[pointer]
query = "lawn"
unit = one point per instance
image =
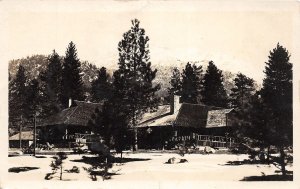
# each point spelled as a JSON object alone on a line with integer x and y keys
{"x": 150, "y": 167}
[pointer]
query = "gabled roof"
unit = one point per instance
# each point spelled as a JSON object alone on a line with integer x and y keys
{"x": 193, "y": 115}
{"x": 26, "y": 135}
{"x": 189, "y": 115}
{"x": 78, "y": 114}
{"x": 217, "y": 118}
{"x": 159, "y": 117}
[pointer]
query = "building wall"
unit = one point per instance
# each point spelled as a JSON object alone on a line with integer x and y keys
{"x": 16, "y": 143}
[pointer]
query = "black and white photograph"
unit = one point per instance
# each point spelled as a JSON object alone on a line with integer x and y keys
{"x": 124, "y": 93}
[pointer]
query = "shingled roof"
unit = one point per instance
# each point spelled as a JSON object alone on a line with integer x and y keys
{"x": 189, "y": 115}
{"x": 217, "y": 118}
{"x": 161, "y": 117}
{"x": 26, "y": 135}
{"x": 78, "y": 114}
{"x": 193, "y": 115}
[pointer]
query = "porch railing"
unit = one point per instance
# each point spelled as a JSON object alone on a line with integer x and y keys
{"x": 207, "y": 140}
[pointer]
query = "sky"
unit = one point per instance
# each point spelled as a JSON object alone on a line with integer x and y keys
{"x": 236, "y": 36}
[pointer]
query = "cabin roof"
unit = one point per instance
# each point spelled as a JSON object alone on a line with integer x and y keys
{"x": 193, "y": 115}
{"x": 189, "y": 115}
{"x": 78, "y": 114}
{"x": 26, "y": 135}
{"x": 217, "y": 118}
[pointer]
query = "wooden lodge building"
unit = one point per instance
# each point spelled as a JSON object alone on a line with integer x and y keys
{"x": 170, "y": 124}
{"x": 24, "y": 141}
{"x": 70, "y": 125}
{"x": 186, "y": 123}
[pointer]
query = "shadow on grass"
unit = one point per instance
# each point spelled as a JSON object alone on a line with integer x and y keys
{"x": 269, "y": 178}
{"x": 101, "y": 173}
{"x": 93, "y": 160}
{"x": 40, "y": 157}
{"x": 21, "y": 169}
{"x": 244, "y": 162}
{"x": 126, "y": 160}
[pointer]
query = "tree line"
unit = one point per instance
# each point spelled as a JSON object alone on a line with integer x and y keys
{"x": 264, "y": 115}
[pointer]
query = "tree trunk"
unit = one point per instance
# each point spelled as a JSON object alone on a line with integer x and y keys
{"x": 282, "y": 163}
{"x": 60, "y": 173}
{"x": 135, "y": 147}
{"x": 121, "y": 156}
{"x": 268, "y": 155}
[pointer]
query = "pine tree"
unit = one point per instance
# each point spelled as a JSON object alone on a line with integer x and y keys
{"x": 134, "y": 77}
{"x": 191, "y": 83}
{"x": 242, "y": 91}
{"x": 175, "y": 82}
{"x": 111, "y": 124}
{"x": 33, "y": 100}
{"x": 277, "y": 93}
{"x": 12, "y": 105}
{"x": 18, "y": 108}
{"x": 101, "y": 87}
{"x": 72, "y": 86}
{"x": 52, "y": 88}
{"x": 242, "y": 99}
{"x": 213, "y": 91}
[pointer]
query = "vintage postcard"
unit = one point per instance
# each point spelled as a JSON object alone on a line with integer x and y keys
{"x": 149, "y": 94}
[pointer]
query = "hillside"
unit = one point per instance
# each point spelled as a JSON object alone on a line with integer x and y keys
{"x": 36, "y": 64}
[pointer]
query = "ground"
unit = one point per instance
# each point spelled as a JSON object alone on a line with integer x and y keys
{"x": 148, "y": 167}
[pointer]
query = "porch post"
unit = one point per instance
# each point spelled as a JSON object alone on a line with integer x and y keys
{"x": 135, "y": 139}
{"x": 34, "y": 136}
{"x": 20, "y": 133}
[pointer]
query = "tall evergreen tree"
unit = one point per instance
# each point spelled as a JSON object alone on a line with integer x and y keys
{"x": 71, "y": 78}
{"x": 111, "y": 124}
{"x": 19, "y": 107}
{"x": 21, "y": 83}
{"x": 191, "y": 83}
{"x": 34, "y": 100}
{"x": 52, "y": 88}
{"x": 213, "y": 91}
{"x": 277, "y": 94}
{"x": 242, "y": 91}
{"x": 242, "y": 95}
{"x": 175, "y": 82}
{"x": 12, "y": 105}
{"x": 133, "y": 81}
{"x": 101, "y": 87}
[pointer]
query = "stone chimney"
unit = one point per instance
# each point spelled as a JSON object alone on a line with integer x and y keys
{"x": 175, "y": 104}
{"x": 70, "y": 102}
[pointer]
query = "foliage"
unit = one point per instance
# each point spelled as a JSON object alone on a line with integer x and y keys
{"x": 191, "y": 83}
{"x": 71, "y": 76}
{"x": 244, "y": 101}
{"x": 57, "y": 164}
{"x": 175, "y": 83}
{"x": 112, "y": 125}
{"x": 101, "y": 87}
{"x": 257, "y": 129}
{"x": 52, "y": 90}
{"x": 100, "y": 167}
{"x": 242, "y": 91}
{"x": 18, "y": 89}
{"x": 277, "y": 93}
{"x": 213, "y": 91}
{"x": 34, "y": 101}
{"x": 133, "y": 79}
